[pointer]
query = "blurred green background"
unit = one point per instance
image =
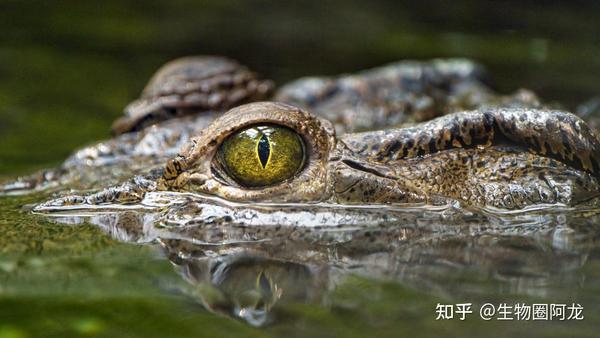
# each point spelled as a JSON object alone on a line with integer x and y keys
{"x": 67, "y": 68}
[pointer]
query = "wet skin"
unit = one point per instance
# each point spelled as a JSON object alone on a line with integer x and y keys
{"x": 500, "y": 158}
{"x": 188, "y": 94}
{"x": 505, "y": 158}
{"x": 505, "y": 154}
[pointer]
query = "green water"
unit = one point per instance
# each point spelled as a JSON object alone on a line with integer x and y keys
{"x": 68, "y": 68}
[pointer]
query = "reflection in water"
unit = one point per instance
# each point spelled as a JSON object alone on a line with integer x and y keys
{"x": 246, "y": 286}
{"x": 252, "y": 263}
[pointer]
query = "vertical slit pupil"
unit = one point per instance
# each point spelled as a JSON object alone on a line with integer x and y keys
{"x": 264, "y": 150}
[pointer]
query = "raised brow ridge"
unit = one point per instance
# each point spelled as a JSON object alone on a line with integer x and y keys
{"x": 555, "y": 134}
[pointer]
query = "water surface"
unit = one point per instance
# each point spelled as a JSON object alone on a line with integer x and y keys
{"x": 67, "y": 70}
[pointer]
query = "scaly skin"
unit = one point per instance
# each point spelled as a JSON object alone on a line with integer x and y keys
{"x": 501, "y": 158}
{"x": 509, "y": 157}
{"x": 190, "y": 85}
{"x": 398, "y": 93}
{"x": 505, "y": 158}
{"x": 187, "y": 94}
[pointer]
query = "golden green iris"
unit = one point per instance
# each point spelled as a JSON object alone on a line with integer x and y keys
{"x": 262, "y": 155}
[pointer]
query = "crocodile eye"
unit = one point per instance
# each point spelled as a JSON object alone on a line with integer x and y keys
{"x": 262, "y": 155}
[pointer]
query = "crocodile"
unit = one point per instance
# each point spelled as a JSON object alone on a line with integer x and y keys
{"x": 188, "y": 94}
{"x": 407, "y": 171}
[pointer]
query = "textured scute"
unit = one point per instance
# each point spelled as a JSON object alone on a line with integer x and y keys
{"x": 384, "y": 97}
{"x": 507, "y": 152}
{"x": 192, "y": 85}
{"x": 555, "y": 134}
{"x": 398, "y": 93}
{"x": 505, "y": 158}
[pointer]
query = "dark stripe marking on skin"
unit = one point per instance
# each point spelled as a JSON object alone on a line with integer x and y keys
{"x": 555, "y": 134}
